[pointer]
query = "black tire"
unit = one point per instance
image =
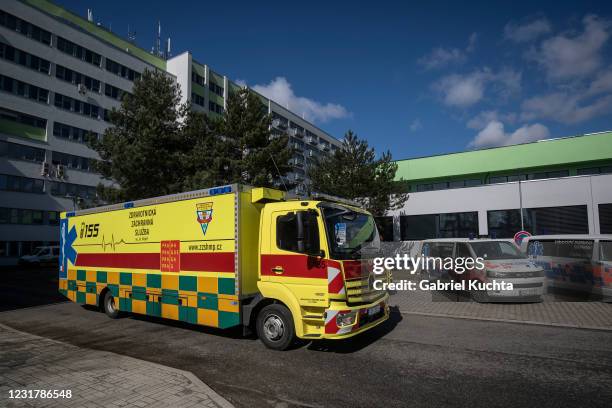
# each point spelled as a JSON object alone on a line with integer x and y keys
{"x": 109, "y": 305}
{"x": 275, "y": 327}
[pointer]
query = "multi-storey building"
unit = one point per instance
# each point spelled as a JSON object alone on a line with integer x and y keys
{"x": 208, "y": 92}
{"x": 555, "y": 186}
{"x": 60, "y": 75}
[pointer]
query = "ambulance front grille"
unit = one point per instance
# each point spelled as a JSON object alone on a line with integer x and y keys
{"x": 361, "y": 291}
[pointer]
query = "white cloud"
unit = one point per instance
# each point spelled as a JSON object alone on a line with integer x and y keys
{"x": 483, "y": 118}
{"x": 565, "y": 107}
{"x": 466, "y": 90}
{"x": 494, "y": 134}
{"x": 442, "y": 57}
{"x": 527, "y": 31}
{"x": 569, "y": 56}
{"x": 601, "y": 84}
{"x": 416, "y": 125}
{"x": 241, "y": 82}
{"x": 281, "y": 92}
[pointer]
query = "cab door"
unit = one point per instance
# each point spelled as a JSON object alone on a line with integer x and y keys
{"x": 292, "y": 256}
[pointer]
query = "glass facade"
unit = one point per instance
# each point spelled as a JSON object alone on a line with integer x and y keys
{"x": 448, "y": 225}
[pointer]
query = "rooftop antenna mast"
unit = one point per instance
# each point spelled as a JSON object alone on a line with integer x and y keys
{"x": 131, "y": 35}
{"x": 158, "y": 51}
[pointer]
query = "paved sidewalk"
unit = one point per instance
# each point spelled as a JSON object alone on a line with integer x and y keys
{"x": 95, "y": 378}
{"x": 587, "y": 315}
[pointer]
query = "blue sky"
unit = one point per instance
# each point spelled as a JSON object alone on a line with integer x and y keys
{"x": 417, "y": 78}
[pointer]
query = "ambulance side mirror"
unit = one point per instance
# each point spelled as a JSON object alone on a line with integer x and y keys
{"x": 308, "y": 233}
{"x": 300, "y": 232}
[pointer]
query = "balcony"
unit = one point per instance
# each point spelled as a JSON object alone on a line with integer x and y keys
{"x": 312, "y": 140}
{"x": 277, "y": 123}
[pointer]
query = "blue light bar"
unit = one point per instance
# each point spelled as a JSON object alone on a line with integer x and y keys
{"x": 220, "y": 190}
{"x": 128, "y": 205}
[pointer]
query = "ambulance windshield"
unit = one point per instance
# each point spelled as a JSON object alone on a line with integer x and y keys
{"x": 351, "y": 234}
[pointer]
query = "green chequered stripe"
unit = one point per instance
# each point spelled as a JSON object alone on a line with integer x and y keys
{"x": 187, "y": 284}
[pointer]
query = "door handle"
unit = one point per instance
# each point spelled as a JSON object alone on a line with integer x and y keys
{"x": 278, "y": 270}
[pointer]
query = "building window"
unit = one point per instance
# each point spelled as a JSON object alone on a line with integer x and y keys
{"x": 53, "y": 218}
{"x": 548, "y": 174}
{"x": 71, "y": 161}
{"x": 557, "y": 220}
{"x": 440, "y": 186}
{"x": 594, "y": 170}
{"x": 473, "y": 182}
{"x": 73, "y": 105}
{"x": 21, "y": 152}
{"x": 68, "y": 75}
{"x": 498, "y": 179}
{"x": 216, "y": 89}
{"x": 22, "y": 118}
{"x": 23, "y": 27}
{"x": 121, "y": 70}
{"x": 424, "y": 187}
{"x": 21, "y": 184}
{"x": 82, "y": 53}
{"x": 114, "y": 92}
{"x": 385, "y": 228}
{"x": 23, "y": 58}
{"x": 72, "y": 190}
{"x": 456, "y": 184}
{"x": 517, "y": 177}
{"x": 449, "y": 225}
{"x": 23, "y": 89}
{"x": 214, "y": 107}
{"x": 198, "y": 79}
{"x": 503, "y": 223}
{"x": 605, "y": 218}
{"x": 197, "y": 99}
{"x": 73, "y": 133}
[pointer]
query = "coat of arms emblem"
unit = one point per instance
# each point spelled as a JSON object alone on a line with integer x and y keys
{"x": 204, "y": 213}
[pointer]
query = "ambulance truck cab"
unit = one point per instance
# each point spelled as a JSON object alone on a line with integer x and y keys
{"x": 229, "y": 256}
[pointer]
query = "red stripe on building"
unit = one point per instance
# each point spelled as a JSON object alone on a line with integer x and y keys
{"x": 294, "y": 266}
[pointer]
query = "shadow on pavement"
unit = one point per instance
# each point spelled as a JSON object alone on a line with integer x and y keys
{"x": 233, "y": 333}
{"x": 360, "y": 341}
{"x": 22, "y": 287}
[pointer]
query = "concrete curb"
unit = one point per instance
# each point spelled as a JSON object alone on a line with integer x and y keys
{"x": 218, "y": 399}
{"x": 531, "y": 322}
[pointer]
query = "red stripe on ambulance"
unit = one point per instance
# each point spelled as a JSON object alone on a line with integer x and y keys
{"x": 211, "y": 262}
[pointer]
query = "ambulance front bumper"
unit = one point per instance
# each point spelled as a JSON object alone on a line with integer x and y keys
{"x": 343, "y": 321}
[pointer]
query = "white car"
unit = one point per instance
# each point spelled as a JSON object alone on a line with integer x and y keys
{"x": 503, "y": 262}
{"x": 43, "y": 255}
{"x": 580, "y": 263}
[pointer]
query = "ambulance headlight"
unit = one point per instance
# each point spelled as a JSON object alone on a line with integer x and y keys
{"x": 344, "y": 319}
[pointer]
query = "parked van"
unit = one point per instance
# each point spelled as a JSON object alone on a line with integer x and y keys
{"x": 575, "y": 262}
{"x": 42, "y": 255}
{"x": 503, "y": 262}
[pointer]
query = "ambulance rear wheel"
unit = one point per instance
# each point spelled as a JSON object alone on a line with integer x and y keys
{"x": 109, "y": 304}
{"x": 275, "y": 327}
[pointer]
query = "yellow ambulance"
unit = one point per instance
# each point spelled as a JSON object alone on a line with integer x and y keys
{"x": 228, "y": 256}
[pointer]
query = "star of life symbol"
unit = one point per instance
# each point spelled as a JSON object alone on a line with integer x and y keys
{"x": 204, "y": 212}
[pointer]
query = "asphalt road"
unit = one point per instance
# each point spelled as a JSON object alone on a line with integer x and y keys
{"x": 411, "y": 361}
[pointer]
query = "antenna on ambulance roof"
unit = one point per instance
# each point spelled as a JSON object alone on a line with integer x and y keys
{"x": 279, "y": 173}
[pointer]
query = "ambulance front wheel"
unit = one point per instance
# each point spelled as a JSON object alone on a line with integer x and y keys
{"x": 110, "y": 306}
{"x": 275, "y": 327}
